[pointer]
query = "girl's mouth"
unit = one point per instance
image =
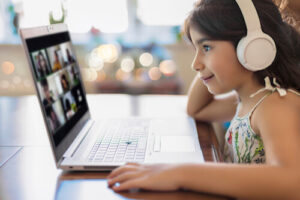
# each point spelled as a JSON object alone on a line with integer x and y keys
{"x": 208, "y": 78}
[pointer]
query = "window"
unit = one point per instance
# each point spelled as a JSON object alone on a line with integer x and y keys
{"x": 107, "y": 16}
{"x": 81, "y": 16}
{"x": 164, "y": 12}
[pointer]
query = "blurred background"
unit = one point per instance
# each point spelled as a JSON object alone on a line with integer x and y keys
{"x": 122, "y": 46}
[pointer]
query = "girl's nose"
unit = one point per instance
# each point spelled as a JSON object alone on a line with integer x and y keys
{"x": 197, "y": 64}
{"x": 198, "y": 67}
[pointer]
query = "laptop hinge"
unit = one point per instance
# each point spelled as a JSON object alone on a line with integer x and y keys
{"x": 77, "y": 141}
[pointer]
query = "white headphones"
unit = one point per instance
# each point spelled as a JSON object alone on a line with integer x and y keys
{"x": 257, "y": 50}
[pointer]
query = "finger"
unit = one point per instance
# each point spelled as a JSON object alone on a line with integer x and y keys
{"x": 130, "y": 184}
{"x": 120, "y": 170}
{"x": 132, "y": 163}
{"x": 123, "y": 177}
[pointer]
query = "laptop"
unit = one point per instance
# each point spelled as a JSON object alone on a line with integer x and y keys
{"x": 80, "y": 143}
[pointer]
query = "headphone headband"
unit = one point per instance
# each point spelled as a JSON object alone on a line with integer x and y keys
{"x": 250, "y": 15}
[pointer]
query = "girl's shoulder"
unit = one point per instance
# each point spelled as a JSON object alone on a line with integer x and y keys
{"x": 276, "y": 107}
{"x": 277, "y": 122}
{"x": 275, "y": 102}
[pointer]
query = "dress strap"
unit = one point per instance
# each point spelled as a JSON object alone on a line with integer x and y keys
{"x": 295, "y": 92}
{"x": 269, "y": 87}
{"x": 255, "y": 106}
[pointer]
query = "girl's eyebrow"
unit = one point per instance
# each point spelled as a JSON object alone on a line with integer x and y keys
{"x": 200, "y": 41}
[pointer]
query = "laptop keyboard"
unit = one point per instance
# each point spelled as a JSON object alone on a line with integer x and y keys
{"x": 123, "y": 141}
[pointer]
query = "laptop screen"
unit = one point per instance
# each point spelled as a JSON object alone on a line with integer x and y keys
{"x": 58, "y": 82}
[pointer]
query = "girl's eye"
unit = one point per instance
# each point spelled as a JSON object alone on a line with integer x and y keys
{"x": 206, "y": 48}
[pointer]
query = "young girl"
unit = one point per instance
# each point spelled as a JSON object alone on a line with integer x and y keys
{"x": 262, "y": 144}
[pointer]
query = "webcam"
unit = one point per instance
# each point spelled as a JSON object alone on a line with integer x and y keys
{"x": 50, "y": 28}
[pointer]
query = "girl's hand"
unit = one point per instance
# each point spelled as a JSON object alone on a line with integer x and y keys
{"x": 163, "y": 177}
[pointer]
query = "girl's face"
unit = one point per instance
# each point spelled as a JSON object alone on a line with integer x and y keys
{"x": 53, "y": 116}
{"x": 64, "y": 83}
{"x": 217, "y": 64}
{"x": 43, "y": 62}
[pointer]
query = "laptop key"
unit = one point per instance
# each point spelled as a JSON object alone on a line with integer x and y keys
{"x": 108, "y": 159}
{"x": 128, "y": 160}
{"x": 142, "y": 143}
{"x": 122, "y": 142}
{"x": 98, "y": 159}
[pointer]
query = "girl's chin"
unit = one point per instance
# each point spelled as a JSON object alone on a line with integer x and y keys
{"x": 213, "y": 91}
{"x": 216, "y": 90}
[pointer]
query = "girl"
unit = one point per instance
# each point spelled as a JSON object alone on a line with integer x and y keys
{"x": 42, "y": 65}
{"x": 264, "y": 108}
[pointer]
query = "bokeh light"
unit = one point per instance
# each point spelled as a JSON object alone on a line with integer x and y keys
{"x": 108, "y": 52}
{"x": 127, "y": 64}
{"x": 146, "y": 59}
{"x": 141, "y": 74}
{"x": 154, "y": 73}
{"x": 89, "y": 74}
{"x": 94, "y": 74}
{"x": 95, "y": 61}
{"x": 122, "y": 75}
{"x": 8, "y": 67}
{"x": 167, "y": 67}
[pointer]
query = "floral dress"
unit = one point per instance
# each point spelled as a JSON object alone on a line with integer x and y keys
{"x": 242, "y": 144}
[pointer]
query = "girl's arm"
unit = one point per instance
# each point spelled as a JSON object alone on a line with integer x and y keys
{"x": 241, "y": 181}
{"x": 278, "y": 124}
{"x": 204, "y": 106}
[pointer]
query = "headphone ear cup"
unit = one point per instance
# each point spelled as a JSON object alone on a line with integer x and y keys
{"x": 256, "y": 51}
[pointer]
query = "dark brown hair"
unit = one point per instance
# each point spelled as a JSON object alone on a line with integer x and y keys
{"x": 223, "y": 20}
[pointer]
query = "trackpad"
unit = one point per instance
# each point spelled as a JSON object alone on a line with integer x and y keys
{"x": 177, "y": 144}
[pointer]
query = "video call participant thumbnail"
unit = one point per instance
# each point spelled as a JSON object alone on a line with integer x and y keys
{"x": 52, "y": 119}
{"x": 48, "y": 100}
{"x": 41, "y": 64}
